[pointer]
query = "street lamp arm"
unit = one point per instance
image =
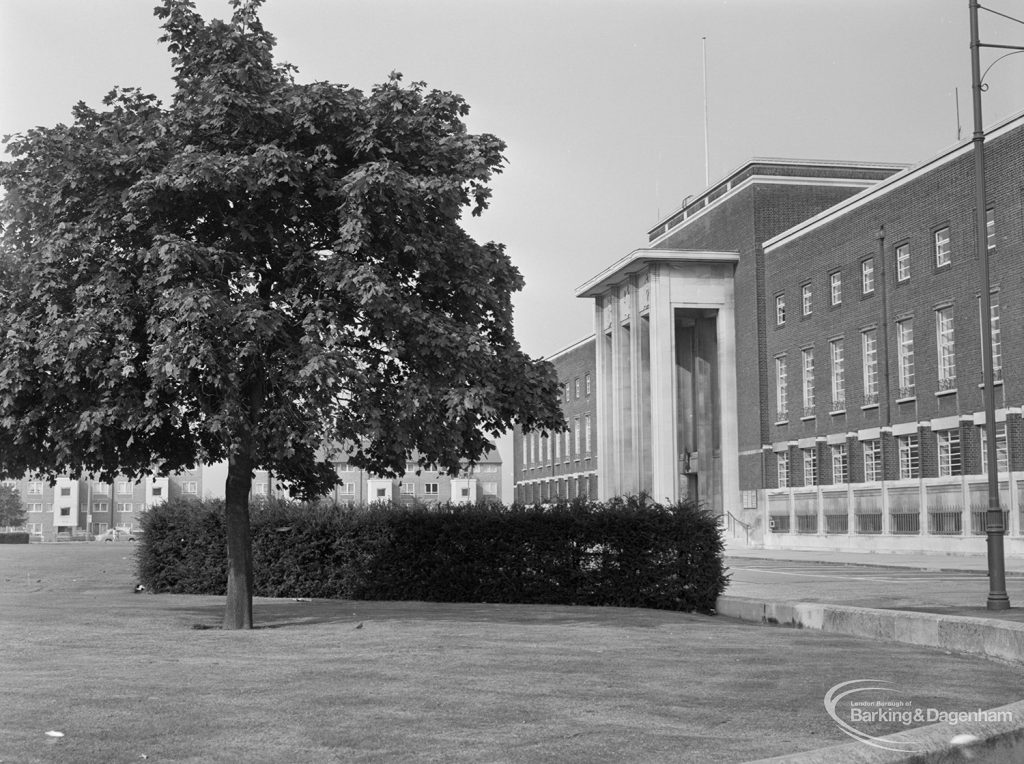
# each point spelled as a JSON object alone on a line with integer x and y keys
{"x": 984, "y": 86}
{"x": 998, "y": 13}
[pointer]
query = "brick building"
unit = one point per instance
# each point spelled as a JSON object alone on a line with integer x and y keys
{"x": 799, "y": 349}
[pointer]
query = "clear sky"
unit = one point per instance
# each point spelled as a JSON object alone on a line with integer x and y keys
{"x": 600, "y": 101}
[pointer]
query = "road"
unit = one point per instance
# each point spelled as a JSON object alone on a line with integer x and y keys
{"x": 962, "y": 593}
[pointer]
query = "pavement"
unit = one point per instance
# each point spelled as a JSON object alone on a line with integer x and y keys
{"x": 934, "y": 601}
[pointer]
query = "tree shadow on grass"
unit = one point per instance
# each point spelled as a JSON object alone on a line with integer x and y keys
{"x": 289, "y": 613}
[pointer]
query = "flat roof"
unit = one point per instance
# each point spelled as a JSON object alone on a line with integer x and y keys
{"x": 639, "y": 258}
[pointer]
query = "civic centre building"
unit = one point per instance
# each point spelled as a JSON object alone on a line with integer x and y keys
{"x": 798, "y": 348}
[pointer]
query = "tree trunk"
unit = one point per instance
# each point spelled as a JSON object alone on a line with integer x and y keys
{"x": 238, "y": 608}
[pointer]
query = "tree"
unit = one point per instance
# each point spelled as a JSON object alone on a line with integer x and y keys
{"x": 12, "y": 512}
{"x": 263, "y": 272}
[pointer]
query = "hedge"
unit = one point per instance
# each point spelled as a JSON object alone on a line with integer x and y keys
{"x": 627, "y": 552}
{"x": 14, "y": 537}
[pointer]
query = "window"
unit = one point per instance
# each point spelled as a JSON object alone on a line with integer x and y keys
{"x": 950, "y": 460}
{"x": 943, "y": 254}
{"x": 568, "y": 455}
{"x": 903, "y": 262}
{"x": 946, "y": 346}
{"x": 408, "y": 489}
{"x": 65, "y": 511}
{"x": 586, "y": 433}
{"x": 805, "y": 299}
{"x": 576, "y": 386}
{"x": 1002, "y": 456}
{"x": 65, "y": 491}
{"x": 835, "y": 285}
{"x": 810, "y": 466}
{"x": 556, "y": 444}
{"x": 910, "y": 456}
{"x": 158, "y": 490}
{"x": 586, "y": 384}
{"x": 259, "y": 489}
{"x": 905, "y": 357}
{"x": 807, "y": 358}
{"x": 835, "y": 348}
{"x": 35, "y": 488}
{"x": 566, "y": 386}
{"x": 189, "y": 486}
{"x": 782, "y": 464}
{"x": 867, "y": 276}
{"x": 101, "y": 488}
{"x": 576, "y": 436}
{"x": 347, "y": 489}
{"x": 430, "y": 489}
{"x": 840, "y": 464}
{"x": 780, "y": 309}
{"x": 990, "y": 230}
{"x": 543, "y": 447}
{"x": 100, "y": 507}
{"x": 781, "y": 407}
{"x": 380, "y": 493}
{"x": 869, "y": 349}
{"x": 490, "y": 488}
{"x": 872, "y": 460}
{"x": 124, "y": 487}
{"x": 997, "y": 345}
{"x": 123, "y": 507}
{"x": 33, "y": 507}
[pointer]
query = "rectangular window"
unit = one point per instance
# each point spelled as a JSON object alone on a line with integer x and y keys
{"x": 576, "y": 386}
{"x": 587, "y": 385}
{"x": 780, "y": 309}
{"x": 905, "y": 357}
{"x": 33, "y": 507}
{"x": 99, "y": 507}
{"x": 997, "y": 345}
{"x": 576, "y": 436}
{"x": 430, "y": 489}
{"x": 840, "y": 464}
{"x": 781, "y": 407}
{"x": 869, "y": 348}
{"x": 950, "y": 460}
{"x": 943, "y": 253}
{"x": 946, "y": 346}
{"x": 65, "y": 491}
{"x": 123, "y": 507}
{"x": 867, "y": 276}
{"x": 835, "y": 284}
{"x": 566, "y": 386}
{"x": 65, "y": 511}
{"x": 835, "y": 348}
{"x": 810, "y": 466}
{"x": 805, "y": 299}
{"x": 408, "y": 489}
{"x": 35, "y": 488}
{"x": 807, "y": 358}
{"x": 910, "y": 457}
{"x": 990, "y": 230}
{"x": 586, "y": 433}
{"x": 101, "y": 488}
{"x": 124, "y": 487}
{"x": 259, "y": 489}
{"x": 1002, "y": 456}
{"x": 872, "y": 460}
{"x": 189, "y": 486}
{"x": 347, "y": 489}
{"x": 556, "y": 444}
{"x": 543, "y": 447}
{"x": 782, "y": 464}
{"x": 568, "y": 449}
{"x": 903, "y": 262}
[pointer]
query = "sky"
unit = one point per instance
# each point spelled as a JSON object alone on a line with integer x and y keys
{"x": 601, "y": 102}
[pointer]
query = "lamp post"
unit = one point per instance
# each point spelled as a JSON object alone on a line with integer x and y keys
{"x": 997, "y": 597}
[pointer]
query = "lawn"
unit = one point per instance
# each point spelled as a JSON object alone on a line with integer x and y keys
{"x": 137, "y": 677}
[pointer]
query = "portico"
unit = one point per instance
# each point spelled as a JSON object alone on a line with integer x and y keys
{"x": 666, "y": 376}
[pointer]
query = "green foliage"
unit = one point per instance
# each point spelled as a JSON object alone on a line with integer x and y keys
{"x": 260, "y": 268}
{"x": 12, "y": 511}
{"x": 628, "y": 553}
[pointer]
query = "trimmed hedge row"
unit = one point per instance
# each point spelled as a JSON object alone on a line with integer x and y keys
{"x": 14, "y": 537}
{"x": 629, "y": 553}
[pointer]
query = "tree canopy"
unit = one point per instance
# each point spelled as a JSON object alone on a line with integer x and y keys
{"x": 261, "y": 271}
{"x": 12, "y": 511}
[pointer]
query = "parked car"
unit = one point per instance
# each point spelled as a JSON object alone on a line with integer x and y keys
{"x": 119, "y": 534}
